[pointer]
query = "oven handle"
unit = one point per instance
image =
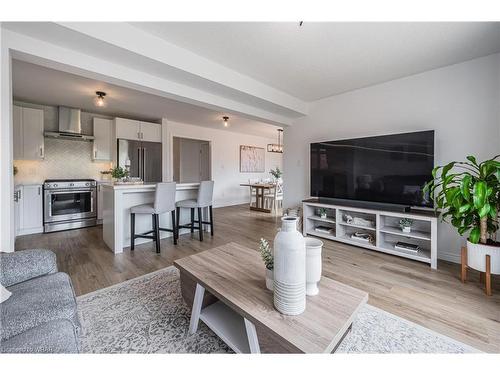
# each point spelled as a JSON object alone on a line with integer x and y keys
{"x": 70, "y": 191}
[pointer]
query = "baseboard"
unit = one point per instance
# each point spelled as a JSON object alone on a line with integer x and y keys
{"x": 450, "y": 257}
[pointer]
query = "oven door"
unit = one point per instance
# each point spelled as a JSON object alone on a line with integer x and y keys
{"x": 62, "y": 205}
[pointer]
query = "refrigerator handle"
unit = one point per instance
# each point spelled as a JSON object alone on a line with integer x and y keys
{"x": 144, "y": 163}
{"x": 139, "y": 162}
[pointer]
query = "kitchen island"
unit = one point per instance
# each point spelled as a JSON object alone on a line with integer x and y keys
{"x": 117, "y": 201}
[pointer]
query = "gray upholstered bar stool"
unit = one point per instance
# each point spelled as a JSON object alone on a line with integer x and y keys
{"x": 164, "y": 202}
{"x": 204, "y": 199}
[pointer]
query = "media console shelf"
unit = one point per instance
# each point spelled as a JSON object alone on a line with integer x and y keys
{"x": 381, "y": 227}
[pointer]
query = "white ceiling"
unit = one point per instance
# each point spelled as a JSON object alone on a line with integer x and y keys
{"x": 41, "y": 85}
{"x": 323, "y": 59}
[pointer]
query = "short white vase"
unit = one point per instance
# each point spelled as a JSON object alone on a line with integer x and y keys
{"x": 313, "y": 265}
{"x": 406, "y": 229}
{"x": 289, "y": 269}
{"x": 269, "y": 279}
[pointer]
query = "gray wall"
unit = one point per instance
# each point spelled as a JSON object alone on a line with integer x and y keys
{"x": 460, "y": 102}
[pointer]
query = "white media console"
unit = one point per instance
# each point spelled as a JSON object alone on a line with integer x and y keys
{"x": 382, "y": 226}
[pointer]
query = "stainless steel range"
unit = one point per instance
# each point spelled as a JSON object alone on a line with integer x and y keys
{"x": 69, "y": 204}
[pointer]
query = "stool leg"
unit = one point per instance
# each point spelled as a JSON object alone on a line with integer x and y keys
{"x": 211, "y": 220}
{"x": 174, "y": 231}
{"x": 192, "y": 220}
{"x": 132, "y": 232}
{"x": 156, "y": 229}
{"x": 200, "y": 224}
{"x": 178, "y": 210}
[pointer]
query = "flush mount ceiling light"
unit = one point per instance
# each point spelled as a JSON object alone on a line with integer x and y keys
{"x": 99, "y": 99}
{"x": 226, "y": 121}
{"x": 276, "y": 147}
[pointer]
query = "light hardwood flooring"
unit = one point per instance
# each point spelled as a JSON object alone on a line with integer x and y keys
{"x": 435, "y": 299}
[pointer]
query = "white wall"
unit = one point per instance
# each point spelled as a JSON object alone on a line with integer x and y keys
{"x": 460, "y": 102}
{"x": 225, "y": 149}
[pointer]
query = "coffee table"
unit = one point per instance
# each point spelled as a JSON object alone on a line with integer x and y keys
{"x": 226, "y": 286}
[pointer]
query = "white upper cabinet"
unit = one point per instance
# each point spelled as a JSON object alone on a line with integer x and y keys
{"x": 150, "y": 132}
{"x": 137, "y": 130}
{"x": 28, "y": 133}
{"x": 103, "y": 139}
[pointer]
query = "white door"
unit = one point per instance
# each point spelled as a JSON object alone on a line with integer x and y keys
{"x": 32, "y": 134}
{"x": 150, "y": 132}
{"x": 32, "y": 210}
{"x": 102, "y": 139}
{"x": 127, "y": 129}
{"x": 17, "y": 119}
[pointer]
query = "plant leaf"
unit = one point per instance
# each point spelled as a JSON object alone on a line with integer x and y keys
{"x": 479, "y": 194}
{"x": 465, "y": 187}
{"x": 472, "y": 159}
{"x": 484, "y": 210}
{"x": 474, "y": 235}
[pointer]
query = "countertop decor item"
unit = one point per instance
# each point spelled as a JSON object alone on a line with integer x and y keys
{"x": 267, "y": 256}
{"x": 322, "y": 213}
{"x": 405, "y": 225}
{"x": 119, "y": 173}
{"x": 468, "y": 193}
{"x": 289, "y": 269}
{"x": 313, "y": 265}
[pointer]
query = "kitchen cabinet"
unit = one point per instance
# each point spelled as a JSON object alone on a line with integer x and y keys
{"x": 28, "y": 133}
{"x": 137, "y": 130}
{"x": 28, "y": 209}
{"x": 102, "y": 148}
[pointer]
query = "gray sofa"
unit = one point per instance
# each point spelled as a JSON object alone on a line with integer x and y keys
{"x": 41, "y": 314}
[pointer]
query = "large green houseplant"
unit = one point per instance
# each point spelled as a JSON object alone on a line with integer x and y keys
{"x": 467, "y": 194}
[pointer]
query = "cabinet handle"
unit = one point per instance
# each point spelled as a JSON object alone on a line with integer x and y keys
{"x": 41, "y": 151}
{"x": 19, "y": 195}
{"x": 95, "y": 154}
{"x": 142, "y": 135}
{"x": 39, "y": 192}
{"x": 139, "y": 135}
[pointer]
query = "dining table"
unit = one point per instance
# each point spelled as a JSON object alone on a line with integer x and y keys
{"x": 260, "y": 188}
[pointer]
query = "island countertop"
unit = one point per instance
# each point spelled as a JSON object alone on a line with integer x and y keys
{"x": 119, "y": 198}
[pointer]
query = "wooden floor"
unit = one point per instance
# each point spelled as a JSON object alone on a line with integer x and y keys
{"x": 409, "y": 289}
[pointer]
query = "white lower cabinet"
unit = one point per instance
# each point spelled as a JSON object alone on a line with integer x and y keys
{"x": 99, "y": 202}
{"x": 28, "y": 210}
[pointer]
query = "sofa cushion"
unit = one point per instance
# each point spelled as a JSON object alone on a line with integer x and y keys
{"x": 57, "y": 336}
{"x": 38, "y": 301}
{"x": 23, "y": 265}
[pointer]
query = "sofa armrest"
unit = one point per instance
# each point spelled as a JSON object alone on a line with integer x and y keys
{"x": 23, "y": 265}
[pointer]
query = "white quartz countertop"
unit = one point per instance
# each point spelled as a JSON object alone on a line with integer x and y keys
{"x": 149, "y": 186}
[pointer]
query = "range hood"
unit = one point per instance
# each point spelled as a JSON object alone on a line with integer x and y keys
{"x": 70, "y": 126}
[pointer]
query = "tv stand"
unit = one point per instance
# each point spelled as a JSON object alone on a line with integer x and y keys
{"x": 364, "y": 204}
{"x": 381, "y": 226}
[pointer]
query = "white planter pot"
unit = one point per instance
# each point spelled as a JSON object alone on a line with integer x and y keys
{"x": 269, "y": 279}
{"x": 406, "y": 229}
{"x": 476, "y": 257}
{"x": 289, "y": 269}
{"x": 323, "y": 216}
{"x": 313, "y": 265}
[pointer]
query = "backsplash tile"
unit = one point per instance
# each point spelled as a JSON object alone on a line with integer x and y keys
{"x": 63, "y": 159}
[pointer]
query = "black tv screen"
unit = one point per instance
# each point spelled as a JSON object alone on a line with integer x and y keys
{"x": 384, "y": 169}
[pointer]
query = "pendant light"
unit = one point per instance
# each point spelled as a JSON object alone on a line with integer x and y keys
{"x": 276, "y": 147}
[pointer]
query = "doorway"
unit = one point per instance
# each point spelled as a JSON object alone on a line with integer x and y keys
{"x": 191, "y": 160}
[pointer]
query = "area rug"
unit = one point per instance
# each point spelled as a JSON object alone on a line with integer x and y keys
{"x": 148, "y": 315}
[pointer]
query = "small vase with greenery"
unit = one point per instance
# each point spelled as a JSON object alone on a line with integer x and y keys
{"x": 119, "y": 173}
{"x": 467, "y": 193}
{"x": 322, "y": 213}
{"x": 268, "y": 258}
{"x": 276, "y": 173}
{"x": 405, "y": 225}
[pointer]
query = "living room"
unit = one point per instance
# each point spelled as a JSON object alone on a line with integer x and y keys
{"x": 343, "y": 195}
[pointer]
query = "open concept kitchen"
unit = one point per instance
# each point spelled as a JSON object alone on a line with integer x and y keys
{"x": 87, "y": 152}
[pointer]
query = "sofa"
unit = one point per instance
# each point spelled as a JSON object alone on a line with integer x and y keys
{"x": 41, "y": 314}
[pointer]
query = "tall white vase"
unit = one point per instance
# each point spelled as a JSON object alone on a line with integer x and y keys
{"x": 289, "y": 269}
{"x": 313, "y": 265}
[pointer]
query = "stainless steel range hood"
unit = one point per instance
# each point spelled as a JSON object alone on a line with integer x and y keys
{"x": 70, "y": 126}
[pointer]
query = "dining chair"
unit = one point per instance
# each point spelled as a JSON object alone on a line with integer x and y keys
{"x": 253, "y": 191}
{"x": 275, "y": 197}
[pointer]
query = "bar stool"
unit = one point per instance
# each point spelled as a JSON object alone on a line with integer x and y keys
{"x": 204, "y": 199}
{"x": 164, "y": 202}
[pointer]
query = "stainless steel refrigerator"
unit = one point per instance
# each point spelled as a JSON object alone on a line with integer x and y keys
{"x": 144, "y": 159}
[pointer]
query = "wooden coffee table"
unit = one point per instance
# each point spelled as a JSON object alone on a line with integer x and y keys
{"x": 226, "y": 287}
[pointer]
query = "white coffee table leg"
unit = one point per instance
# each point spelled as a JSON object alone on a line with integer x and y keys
{"x": 253, "y": 341}
{"x": 195, "y": 312}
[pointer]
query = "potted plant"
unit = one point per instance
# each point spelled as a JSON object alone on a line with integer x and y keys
{"x": 119, "y": 173}
{"x": 268, "y": 258}
{"x": 405, "y": 225}
{"x": 322, "y": 213}
{"x": 467, "y": 194}
{"x": 276, "y": 173}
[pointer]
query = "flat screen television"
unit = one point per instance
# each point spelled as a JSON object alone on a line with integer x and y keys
{"x": 390, "y": 169}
